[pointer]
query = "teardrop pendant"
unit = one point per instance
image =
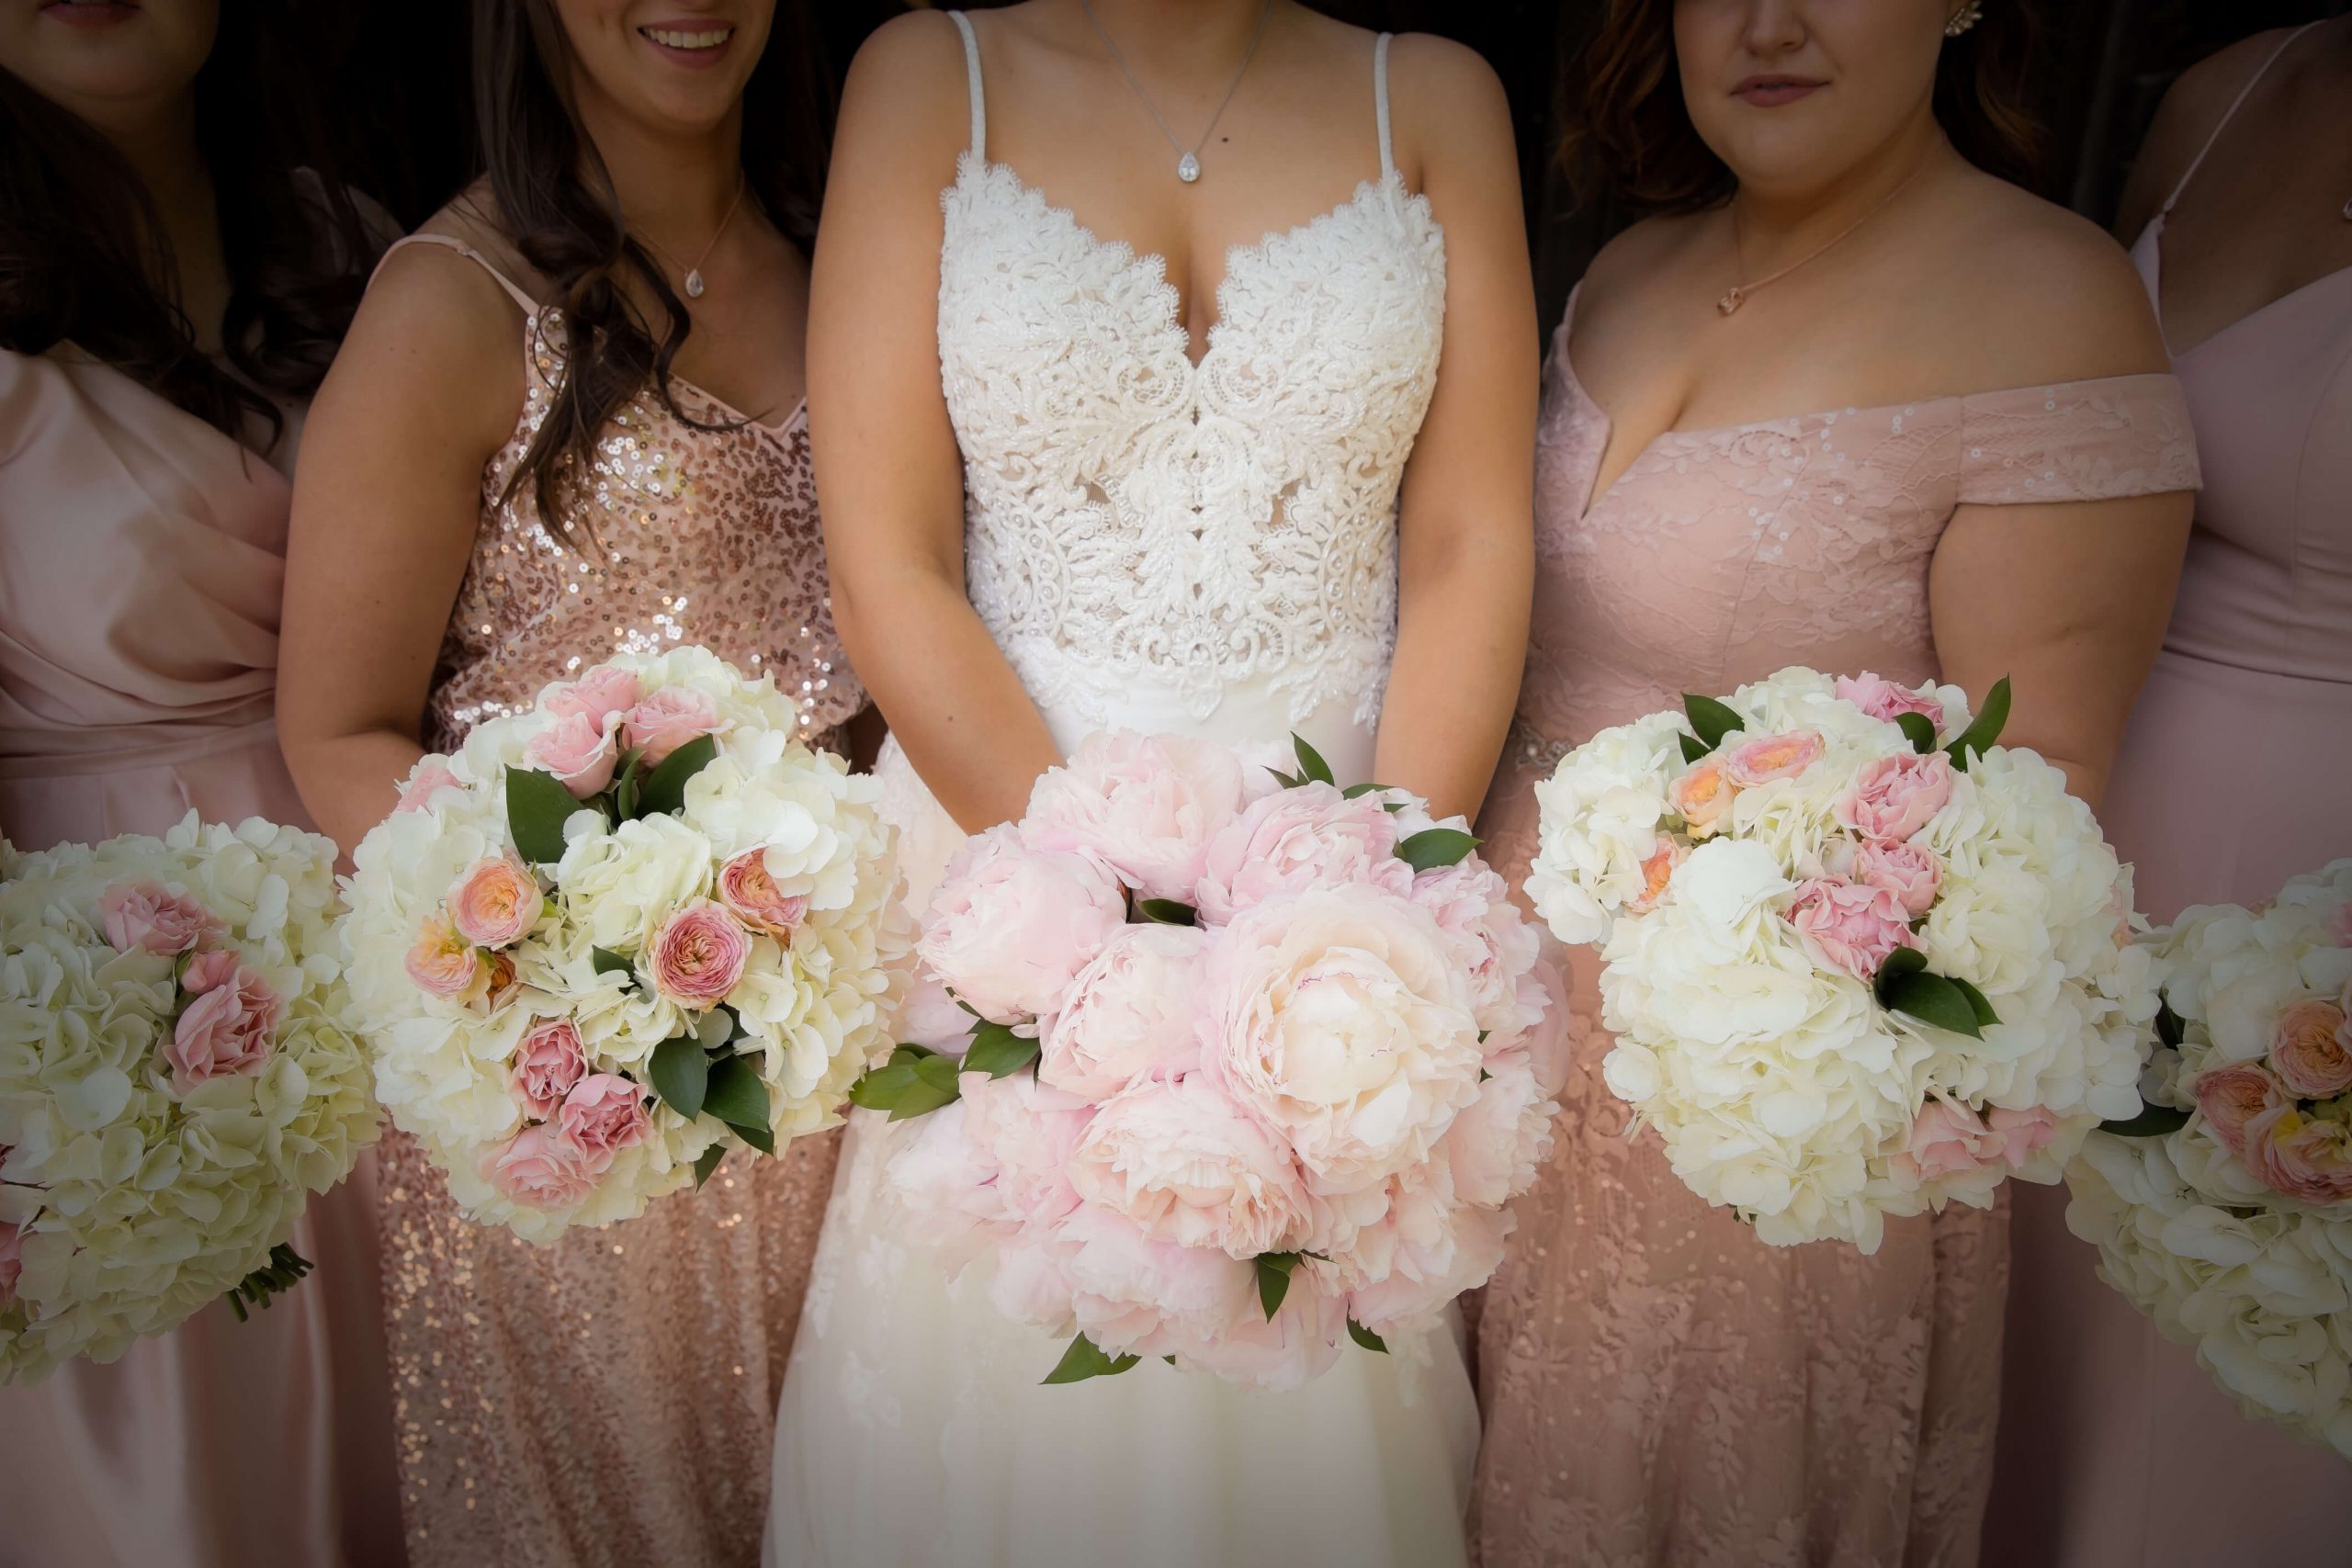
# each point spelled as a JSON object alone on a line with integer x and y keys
{"x": 1188, "y": 168}
{"x": 693, "y": 284}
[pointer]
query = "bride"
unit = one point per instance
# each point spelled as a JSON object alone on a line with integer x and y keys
{"x": 1129, "y": 411}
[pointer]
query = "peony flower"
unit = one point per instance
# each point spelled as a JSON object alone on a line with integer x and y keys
{"x": 2234, "y": 1097}
{"x": 1701, "y": 796}
{"x": 1295, "y": 840}
{"x": 944, "y": 1180}
{"x": 550, "y": 1060}
{"x": 430, "y": 776}
{"x": 579, "y": 751}
{"x": 2302, "y": 1156}
{"x": 662, "y": 723}
{"x": 229, "y": 1028}
{"x": 540, "y": 1167}
{"x": 1011, "y": 927}
{"x": 1127, "y": 1289}
{"x": 2308, "y": 1051}
{"x": 1029, "y": 1129}
{"x": 1853, "y": 926}
{"x": 1910, "y": 872}
{"x": 595, "y": 696}
{"x": 1497, "y": 1140}
{"x": 496, "y": 902}
{"x": 602, "y": 1115}
{"x": 1895, "y": 797}
{"x": 1186, "y": 1165}
{"x": 1143, "y": 806}
{"x": 1435, "y": 1252}
{"x": 1472, "y": 904}
{"x": 152, "y": 918}
{"x": 1131, "y": 1014}
{"x": 745, "y": 887}
{"x": 1884, "y": 699}
{"x": 1946, "y": 1141}
{"x": 443, "y": 962}
{"x": 1769, "y": 757}
{"x": 929, "y": 1017}
{"x": 1299, "y": 1344}
{"x": 698, "y": 954}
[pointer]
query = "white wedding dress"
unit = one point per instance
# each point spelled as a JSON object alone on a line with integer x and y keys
{"x": 1167, "y": 547}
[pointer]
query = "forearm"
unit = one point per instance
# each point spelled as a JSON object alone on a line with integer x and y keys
{"x": 1461, "y": 643}
{"x": 350, "y": 782}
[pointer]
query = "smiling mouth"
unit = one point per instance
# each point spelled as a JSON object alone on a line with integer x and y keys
{"x": 689, "y": 39}
{"x": 1770, "y": 90}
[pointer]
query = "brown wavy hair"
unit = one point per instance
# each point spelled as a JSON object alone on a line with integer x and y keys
{"x": 1629, "y": 134}
{"x": 558, "y": 206}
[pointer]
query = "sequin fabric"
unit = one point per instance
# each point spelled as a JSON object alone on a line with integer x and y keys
{"x": 608, "y": 1399}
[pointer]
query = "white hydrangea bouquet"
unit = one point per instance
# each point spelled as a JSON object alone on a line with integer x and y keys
{"x": 2223, "y": 1210}
{"x": 620, "y": 934}
{"x": 173, "y": 1081}
{"x": 1858, "y": 959}
{"x": 1222, "y": 1065}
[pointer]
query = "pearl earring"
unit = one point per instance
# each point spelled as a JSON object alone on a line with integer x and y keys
{"x": 1967, "y": 16}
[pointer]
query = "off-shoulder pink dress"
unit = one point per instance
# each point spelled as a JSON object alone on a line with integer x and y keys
{"x": 141, "y": 557}
{"x": 1661, "y": 1388}
{"x": 608, "y": 1399}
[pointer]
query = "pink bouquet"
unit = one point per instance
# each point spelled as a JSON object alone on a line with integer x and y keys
{"x": 1222, "y": 1064}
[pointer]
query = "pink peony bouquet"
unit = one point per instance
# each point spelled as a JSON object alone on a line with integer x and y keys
{"x": 1222, "y": 1065}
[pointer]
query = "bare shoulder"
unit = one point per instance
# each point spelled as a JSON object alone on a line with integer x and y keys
{"x": 1636, "y": 256}
{"x": 435, "y": 322}
{"x": 1446, "y": 100}
{"x": 906, "y": 87}
{"x": 2035, "y": 293}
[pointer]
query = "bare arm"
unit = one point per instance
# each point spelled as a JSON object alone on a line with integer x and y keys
{"x": 889, "y": 475}
{"x": 1466, "y": 540}
{"x": 387, "y": 498}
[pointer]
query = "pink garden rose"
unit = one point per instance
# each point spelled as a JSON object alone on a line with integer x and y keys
{"x": 539, "y": 1167}
{"x": 1764, "y": 758}
{"x": 1130, "y": 1014}
{"x": 1185, "y": 1166}
{"x": 229, "y": 1028}
{"x": 1853, "y": 928}
{"x": 1946, "y": 1141}
{"x": 1493, "y": 941}
{"x": 2310, "y": 1053}
{"x": 596, "y": 696}
{"x": 150, "y": 918}
{"x": 12, "y": 1261}
{"x": 444, "y": 963}
{"x": 2021, "y": 1135}
{"x": 603, "y": 1114}
{"x": 496, "y": 902}
{"x": 1146, "y": 806}
{"x": 745, "y": 887}
{"x": 1910, "y": 872}
{"x": 1029, "y": 1130}
{"x": 2302, "y": 1156}
{"x": 1129, "y": 1287}
{"x": 698, "y": 956}
{"x": 1702, "y": 795}
{"x": 550, "y": 1060}
{"x": 207, "y": 970}
{"x": 1895, "y": 797}
{"x": 1656, "y": 872}
{"x": 431, "y": 776}
{"x": 2233, "y": 1097}
{"x": 662, "y": 723}
{"x": 1884, "y": 700}
{"x": 579, "y": 751}
{"x": 1011, "y": 927}
{"x": 1299, "y": 839}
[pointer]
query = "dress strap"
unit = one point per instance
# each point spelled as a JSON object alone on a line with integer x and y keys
{"x": 451, "y": 242}
{"x": 2232, "y": 113}
{"x": 1380, "y": 102}
{"x": 972, "y": 85}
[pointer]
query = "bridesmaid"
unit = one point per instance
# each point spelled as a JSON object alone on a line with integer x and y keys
{"x": 568, "y": 423}
{"x": 1996, "y": 484}
{"x": 176, "y": 274}
{"x": 2117, "y": 1449}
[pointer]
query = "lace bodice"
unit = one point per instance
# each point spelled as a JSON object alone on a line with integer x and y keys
{"x": 1138, "y": 527}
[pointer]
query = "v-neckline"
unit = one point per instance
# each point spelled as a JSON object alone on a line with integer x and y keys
{"x": 2154, "y": 238}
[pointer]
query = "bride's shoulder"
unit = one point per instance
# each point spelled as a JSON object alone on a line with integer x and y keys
{"x": 905, "y": 97}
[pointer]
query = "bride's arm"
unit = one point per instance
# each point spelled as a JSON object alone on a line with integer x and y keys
{"x": 1466, "y": 553}
{"x": 889, "y": 478}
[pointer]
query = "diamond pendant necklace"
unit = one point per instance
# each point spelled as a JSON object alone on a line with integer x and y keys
{"x": 1188, "y": 163}
{"x": 694, "y": 281}
{"x": 1731, "y": 302}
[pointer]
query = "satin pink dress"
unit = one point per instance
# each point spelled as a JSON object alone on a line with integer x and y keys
{"x": 1659, "y": 1387}
{"x": 2117, "y": 1449}
{"x": 608, "y": 1399}
{"x": 141, "y": 557}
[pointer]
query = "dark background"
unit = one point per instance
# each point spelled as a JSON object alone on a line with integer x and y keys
{"x": 399, "y": 70}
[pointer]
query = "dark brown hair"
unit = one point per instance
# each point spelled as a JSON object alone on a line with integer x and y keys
{"x": 1629, "y": 133}
{"x": 83, "y": 256}
{"x": 555, "y": 202}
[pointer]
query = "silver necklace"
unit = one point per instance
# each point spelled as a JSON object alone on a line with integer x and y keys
{"x": 693, "y": 280}
{"x": 1188, "y": 163}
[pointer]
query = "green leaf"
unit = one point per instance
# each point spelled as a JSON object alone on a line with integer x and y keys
{"x": 630, "y": 784}
{"x": 1311, "y": 764}
{"x": 1170, "y": 1359}
{"x": 607, "y": 962}
{"x": 1901, "y": 962}
{"x": 1931, "y": 999}
{"x": 665, "y": 786}
{"x": 1366, "y": 1338}
{"x": 680, "y": 1075}
{"x": 537, "y": 805}
{"x": 1434, "y": 847}
{"x": 997, "y": 1051}
{"x": 914, "y": 1082}
{"x": 1981, "y": 736}
{"x": 737, "y": 1095}
{"x": 1713, "y": 720}
{"x": 1693, "y": 748}
{"x": 280, "y": 1272}
{"x": 1288, "y": 781}
{"x": 707, "y": 1162}
{"x": 1167, "y": 912}
{"x": 2154, "y": 1121}
{"x": 761, "y": 1138}
{"x": 1274, "y": 1280}
{"x": 1916, "y": 730}
{"x": 2168, "y": 1028}
{"x": 1083, "y": 1360}
{"x": 1985, "y": 1016}
{"x": 1356, "y": 791}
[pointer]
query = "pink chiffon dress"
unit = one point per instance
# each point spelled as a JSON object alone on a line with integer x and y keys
{"x": 1659, "y": 1387}
{"x": 609, "y": 1398}
{"x": 2117, "y": 1449}
{"x": 141, "y": 558}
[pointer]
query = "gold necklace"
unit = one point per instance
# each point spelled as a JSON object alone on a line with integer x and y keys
{"x": 694, "y": 281}
{"x": 1731, "y": 302}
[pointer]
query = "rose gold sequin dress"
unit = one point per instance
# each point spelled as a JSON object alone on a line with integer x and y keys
{"x": 608, "y": 1399}
{"x": 1659, "y": 1387}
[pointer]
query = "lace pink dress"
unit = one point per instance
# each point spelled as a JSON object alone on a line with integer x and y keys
{"x": 1659, "y": 1386}
{"x": 608, "y": 1399}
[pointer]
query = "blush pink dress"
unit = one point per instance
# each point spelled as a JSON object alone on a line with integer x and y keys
{"x": 1661, "y": 1388}
{"x": 609, "y": 1398}
{"x": 141, "y": 557}
{"x": 2116, "y": 1451}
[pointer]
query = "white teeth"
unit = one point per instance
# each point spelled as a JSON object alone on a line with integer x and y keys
{"x": 711, "y": 39}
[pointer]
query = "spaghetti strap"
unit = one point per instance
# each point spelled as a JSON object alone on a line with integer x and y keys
{"x": 972, "y": 85}
{"x": 451, "y": 242}
{"x": 2230, "y": 114}
{"x": 1380, "y": 102}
